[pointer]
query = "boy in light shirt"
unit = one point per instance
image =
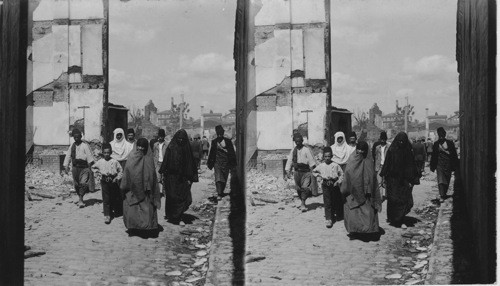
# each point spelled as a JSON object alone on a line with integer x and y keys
{"x": 332, "y": 176}
{"x": 110, "y": 172}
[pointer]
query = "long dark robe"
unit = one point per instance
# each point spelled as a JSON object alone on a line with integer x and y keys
{"x": 141, "y": 193}
{"x": 399, "y": 171}
{"x": 178, "y": 168}
{"x": 360, "y": 210}
{"x": 444, "y": 163}
{"x": 221, "y": 160}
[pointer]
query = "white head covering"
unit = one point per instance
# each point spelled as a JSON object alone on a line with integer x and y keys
{"x": 340, "y": 151}
{"x": 120, "y": 148}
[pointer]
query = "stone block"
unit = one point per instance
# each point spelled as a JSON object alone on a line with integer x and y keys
{"x": 52, "y": 163}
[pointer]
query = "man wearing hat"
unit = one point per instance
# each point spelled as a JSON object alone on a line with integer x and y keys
{"x": 197, "y": 149}
{"x": 222, "y": 158}
{"x": 159, "y": 149}
{"x": 444, "y": 159}
{"x": 380, "y": 154}
{"x": 302, "y": 160}
{"x": 82, "y": 159}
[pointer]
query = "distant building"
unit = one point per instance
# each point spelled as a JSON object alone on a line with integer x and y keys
{"x": 454, "y": 119}
{"x": 437, "y": 118}
{"x": 389, "y": 120}
{"x": 150, "y": 112}
{"x": 164, "y": 117}
{"x": 373, "y": 112}
{"x": 212, "y": 116}
{"x": 230, "y": 117}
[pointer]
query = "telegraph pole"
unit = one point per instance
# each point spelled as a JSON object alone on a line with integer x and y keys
{"x": 406, "y": 115}
{"x": 182, "y": 110}
{"x": 84, "y": 107}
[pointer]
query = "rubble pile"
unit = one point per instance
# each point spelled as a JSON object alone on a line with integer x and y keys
{"x": 45, "y": 184}
{"x": 410, "y": 266}
{"x": 274, "y": 157}
{"x": 267, "y": 188}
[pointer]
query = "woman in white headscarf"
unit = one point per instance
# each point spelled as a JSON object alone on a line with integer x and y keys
{"x": 120, "y": 146}
{"x": 340, "y": 150}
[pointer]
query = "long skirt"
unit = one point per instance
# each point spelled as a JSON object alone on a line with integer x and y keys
{"x": 177, "y": 196}
{"x": 140, "y": 216}
{"x": 443, "y": 174}
{"x": 360, "y": 218}
{"x": 399, "y": 199}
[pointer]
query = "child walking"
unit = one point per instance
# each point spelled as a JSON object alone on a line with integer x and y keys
{"x": 110, "y": 172}
{"x": 332, "y": 176}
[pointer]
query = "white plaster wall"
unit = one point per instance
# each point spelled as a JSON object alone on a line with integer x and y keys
{"x": 314, "y": 51}
{"x": 51, "y": 124}
{"x": 297, "y": 48}
{"x": 86, "y": 9}
{"x": 60, "y": 54}
{"x": 92, "y": 49}
{"x": 273, "y": 12}
{"x": 44, "y": 11}
{"x": 92, "y": 98}
{"x": 60, "y": 9}
{"x": 317, "y": 103}
{"x": 43, "y": 49}
{"x": 308, "y": 11}
{"x": 75, "y": 51}
{"x": 274, "y": 129}
{"x": 272, "y": 61}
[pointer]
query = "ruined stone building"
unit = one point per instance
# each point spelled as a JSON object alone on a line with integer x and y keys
{"x": 288, "y": 72}
{"x": 67, "y": 70}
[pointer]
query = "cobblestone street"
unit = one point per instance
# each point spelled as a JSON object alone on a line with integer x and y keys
{"x": 287, "y": 247}
{"x": 81, "y": 250}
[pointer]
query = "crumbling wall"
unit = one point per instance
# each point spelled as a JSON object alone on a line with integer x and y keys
{"x": 290, "y": 70}
{"x": 67, "y": 55}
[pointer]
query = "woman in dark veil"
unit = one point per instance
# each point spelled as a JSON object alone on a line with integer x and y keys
{"x": 363, "y": 200}
{"x": 399, "y": 174}
{"x": 140, "y": 189}
{"x": 179, "y": 171}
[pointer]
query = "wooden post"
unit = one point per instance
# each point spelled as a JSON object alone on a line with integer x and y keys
{"x": 13, "y": 45}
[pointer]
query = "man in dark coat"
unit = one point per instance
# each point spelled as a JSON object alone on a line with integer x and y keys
{"x": 420, "y": 154}
{"x": 222, "y": 157}
{"x": 444, "y": 159}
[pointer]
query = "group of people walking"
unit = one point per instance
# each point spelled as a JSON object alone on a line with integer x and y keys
{"x": 355, "y": 181}
{"x": 135, "y": 174}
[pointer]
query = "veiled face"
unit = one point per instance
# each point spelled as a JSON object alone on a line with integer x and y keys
{"x": 340, "y": 140}
{"x": 119, "y": 136}
{"x": 362, "y": 152}
{"x": 142, "y": 149}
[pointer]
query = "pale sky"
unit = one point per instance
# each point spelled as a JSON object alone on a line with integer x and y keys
{"x": 382, "y": 50}
{"x": 160, "y": 49}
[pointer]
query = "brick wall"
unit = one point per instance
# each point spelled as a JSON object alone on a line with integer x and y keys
{"x": 52, "y": 163}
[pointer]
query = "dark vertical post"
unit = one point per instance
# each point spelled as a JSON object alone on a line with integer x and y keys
{"x": 13, "y": 44}
{"x": 105, "y": 125}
